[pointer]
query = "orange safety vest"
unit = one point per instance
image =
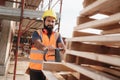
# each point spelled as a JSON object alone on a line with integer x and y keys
{"x": 36, "y": 57}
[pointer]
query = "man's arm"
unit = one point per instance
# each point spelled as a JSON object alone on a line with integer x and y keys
{"x": 37, "y": 40}
{"x": 60, "y": 43}
{"x": 38, "y": 44}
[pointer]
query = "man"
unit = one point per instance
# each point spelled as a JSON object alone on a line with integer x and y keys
{"x": 45, "y": 39}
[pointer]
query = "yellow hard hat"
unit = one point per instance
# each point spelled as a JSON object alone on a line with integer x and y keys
{"x": 49, "y": 12}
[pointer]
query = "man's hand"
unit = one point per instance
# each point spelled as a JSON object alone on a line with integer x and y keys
{"x": 51, "y": 48}
{"x": 61, "y": 46}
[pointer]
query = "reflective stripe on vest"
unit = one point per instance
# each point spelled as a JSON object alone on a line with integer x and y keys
{"x": 37, "y": 51}
{"x": 36, "y": 61}
{"x": 36, "y": 56}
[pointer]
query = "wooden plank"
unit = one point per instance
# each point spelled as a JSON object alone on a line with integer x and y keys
{"x": 91, "y": 9}
{"x": 108, "y": 27}
{"x": 101, "y": 6}
{"x": 116, "y": 68}
{"x": 113, "y": 19}
{"x": 108, "y": 70}
{"x": 81, "y": 20}
{"x": 109, "y": 44}
{"x": 55, "y": 66}
{"x": 113, "y": 31}
{"x": 110, "y": 59}
{"x": 70, "y": 75}
{"x": 52, "y": 75}
{"x": 49, "y": 75}
{"x": 77, "y": 33}
{"x": 14, "y": 13}
{"x": 111, "y": 40}
{"x": 87, "y": 2}
{"x": 78, "y": 46}
{"x": 59, "y": 77}
{"x": 113, "y": 6}
{"x": 99, "y": 38}
{"x": 91, "y": 73}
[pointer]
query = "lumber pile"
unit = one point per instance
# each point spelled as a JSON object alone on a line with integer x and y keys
{"x": 91, "y": 56}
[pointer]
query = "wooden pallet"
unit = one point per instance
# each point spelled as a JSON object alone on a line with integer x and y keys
{"x": 94, "y": 56}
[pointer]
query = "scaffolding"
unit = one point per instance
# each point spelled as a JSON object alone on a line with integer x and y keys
{"x": 27, "y": 15}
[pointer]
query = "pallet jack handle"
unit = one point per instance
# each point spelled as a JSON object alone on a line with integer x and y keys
{"x": 57, "y": 54}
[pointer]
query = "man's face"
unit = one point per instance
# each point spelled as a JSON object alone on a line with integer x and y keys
{"x": 50, "y": 22}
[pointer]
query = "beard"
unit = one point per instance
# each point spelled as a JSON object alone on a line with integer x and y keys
{"x": 49, "y": 28}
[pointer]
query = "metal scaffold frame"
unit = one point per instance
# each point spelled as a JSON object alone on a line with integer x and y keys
{"x": 18, "y": 40}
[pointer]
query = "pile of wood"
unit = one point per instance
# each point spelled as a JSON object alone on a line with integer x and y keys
{"x": 91, "y": 56}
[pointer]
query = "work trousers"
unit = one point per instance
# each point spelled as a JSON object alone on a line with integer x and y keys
{"x": 37, "y": 75}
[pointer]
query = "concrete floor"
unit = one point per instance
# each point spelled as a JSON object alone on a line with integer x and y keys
{"x": 22, "y": 65}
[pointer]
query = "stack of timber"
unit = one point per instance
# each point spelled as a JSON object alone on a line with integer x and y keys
{"x": 91, "y": 56}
